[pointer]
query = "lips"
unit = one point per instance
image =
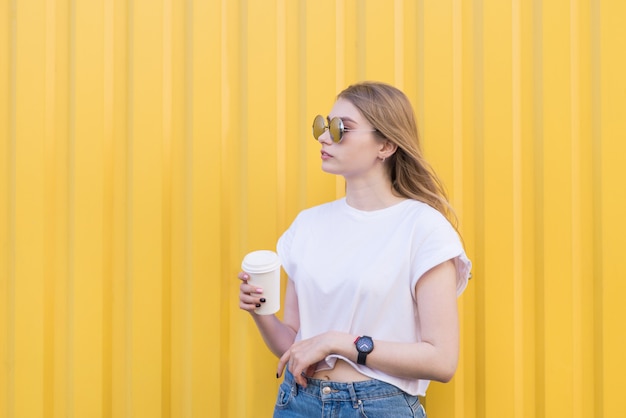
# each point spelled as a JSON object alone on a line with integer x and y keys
{"x": 325, "y": 155}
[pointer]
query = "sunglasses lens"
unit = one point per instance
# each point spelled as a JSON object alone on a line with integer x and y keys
{"x": 319, "y": 126}
{"x": 336, "y": 129}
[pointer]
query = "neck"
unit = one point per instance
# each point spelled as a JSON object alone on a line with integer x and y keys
{"x": 371, "y": 196}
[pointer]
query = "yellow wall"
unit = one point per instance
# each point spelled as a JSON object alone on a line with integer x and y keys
{"x": 146, "y": 146}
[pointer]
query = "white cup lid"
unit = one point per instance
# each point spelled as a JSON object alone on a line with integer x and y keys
{"x": 260, "y": 261}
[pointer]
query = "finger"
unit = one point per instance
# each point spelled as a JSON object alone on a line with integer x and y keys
{"x": 252, "y": 299}
{"x": 248, "y": 307}
{"x": 249, "y": 289}
{"x": 248, "y": 303}
{"x": 297, "y": 371}
{"x": 243, "y": 276}
{"x": 301, "y": 379}
{"x": 281, "y": 363}
{"x": 310, "y": 371}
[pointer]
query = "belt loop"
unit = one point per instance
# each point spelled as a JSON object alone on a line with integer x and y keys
{"x": 294, "y": 385}
{"x": 353, "y": 398}
{"x": 294, "y": 388}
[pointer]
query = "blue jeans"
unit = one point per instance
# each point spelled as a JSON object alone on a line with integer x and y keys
{"x": 327, "y": 399}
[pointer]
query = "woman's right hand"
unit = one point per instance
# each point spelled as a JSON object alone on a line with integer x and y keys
{"x": 250, "y": 297}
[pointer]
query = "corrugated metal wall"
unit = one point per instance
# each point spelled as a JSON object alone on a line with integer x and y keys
{"x": 146, "y": 146}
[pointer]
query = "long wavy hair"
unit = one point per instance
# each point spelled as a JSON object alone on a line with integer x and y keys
{"x": 389, "y": 111}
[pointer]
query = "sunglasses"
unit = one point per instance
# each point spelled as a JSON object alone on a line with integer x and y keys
{"x": 335, "y": 127}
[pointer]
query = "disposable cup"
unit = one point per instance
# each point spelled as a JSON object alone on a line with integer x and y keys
{"x": 263, "y": 267}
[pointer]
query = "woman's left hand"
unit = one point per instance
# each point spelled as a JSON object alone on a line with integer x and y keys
{"x": 303, "y": 356}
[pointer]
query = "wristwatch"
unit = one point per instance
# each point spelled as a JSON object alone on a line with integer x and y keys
{"x": 364, "y": 346}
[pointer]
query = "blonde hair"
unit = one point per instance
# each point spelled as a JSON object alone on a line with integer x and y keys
{"x": 390, "y": 112}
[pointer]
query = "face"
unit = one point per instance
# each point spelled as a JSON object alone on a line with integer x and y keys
{"x": 359, "y": 152}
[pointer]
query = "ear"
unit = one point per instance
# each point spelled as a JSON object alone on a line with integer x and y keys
{"x": 387, "y": 149}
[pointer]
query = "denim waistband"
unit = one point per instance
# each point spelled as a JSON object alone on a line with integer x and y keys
{"x": 338, "y": 391}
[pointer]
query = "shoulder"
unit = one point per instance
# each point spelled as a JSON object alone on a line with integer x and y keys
{"x": 429, "y": 227}
{"x": 321, "y": 210}
{"x": 425, "y": 214}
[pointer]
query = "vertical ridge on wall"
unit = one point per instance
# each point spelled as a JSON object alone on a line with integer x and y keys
{"x": 170, "y": 201}
{"x": 300, "y": 110}
{"x": 583, "y": 184}
{"x": 411, "y": 53}
{"x": 526, "y": 213}
{"x": 108, "y": 289}
{"x": 361, "y": 34}
{"x": 419, "y": 66}
{"x": 398, "y": 44}
{"x": 577, "y": 205}
{"x": 70, "y": 365}
{"x": 478, "y": 260}
{"x": 225, "y": 255}
{"x": 119, "y": 108}
{"x": 557, "y": 237}
{"x": 538, "y": 200}
{"x": 596, "y": 210}
{"x": 8, "y": 52}
{"x": 243, "y": 110}
{"x": 49, "y": 261}
{"x": 29, "y": 206}
{"x": 575, "y": 120}
{"x": 147, "y": 214}
{"x": 127, "y": 404}
{"x": 87, "y": 302}
{"x": 613, "y": 158}
{"x": 469, "y": 203}
{"x": 231, "y": 188}
{"x": 517, "y": 205}
{"x": 63, "y": 109}
{"x": 185, "y": 114}
{"x": 340, "y": 76}
{"x": 458, "y": 168}
{"x": 498, "y": 206}
{"x": 281, "y": 115}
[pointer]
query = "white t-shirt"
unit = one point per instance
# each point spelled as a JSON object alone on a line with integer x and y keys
{"x": 355, "y": 272}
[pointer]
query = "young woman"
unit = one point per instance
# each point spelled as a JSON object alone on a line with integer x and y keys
{"x": 370, "y": 314}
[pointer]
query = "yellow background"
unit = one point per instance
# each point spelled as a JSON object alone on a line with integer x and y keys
{"x": 147, "y": 145}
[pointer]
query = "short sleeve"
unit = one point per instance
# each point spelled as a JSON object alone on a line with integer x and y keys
{"x": 284, "y": 248}
{"x": 438, "y": 245}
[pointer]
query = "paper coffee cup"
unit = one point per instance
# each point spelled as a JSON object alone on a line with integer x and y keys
{"x": 263, "y": 267}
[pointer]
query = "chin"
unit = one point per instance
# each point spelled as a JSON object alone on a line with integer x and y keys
{"x": 329, "y": 170}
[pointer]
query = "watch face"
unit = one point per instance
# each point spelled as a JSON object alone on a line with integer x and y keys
{"x": 365, "y": 345}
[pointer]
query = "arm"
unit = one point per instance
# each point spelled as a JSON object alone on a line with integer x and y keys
{"x": 434, "y": 358}
{"x": 278, "y": 335}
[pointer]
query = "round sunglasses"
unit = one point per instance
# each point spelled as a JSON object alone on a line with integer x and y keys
{"x": 335, "y": 127}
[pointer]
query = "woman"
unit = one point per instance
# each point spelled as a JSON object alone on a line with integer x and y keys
{"x": 370, "y": 314}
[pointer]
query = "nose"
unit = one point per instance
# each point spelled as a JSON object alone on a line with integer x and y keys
{"x": 325, "y": 137}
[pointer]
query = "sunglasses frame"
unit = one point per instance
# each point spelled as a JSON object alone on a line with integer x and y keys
{"x": 335, "y": 127}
